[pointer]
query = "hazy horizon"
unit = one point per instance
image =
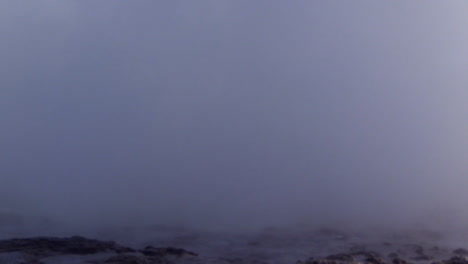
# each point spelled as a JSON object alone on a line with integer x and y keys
{"x": 235, "y": 114}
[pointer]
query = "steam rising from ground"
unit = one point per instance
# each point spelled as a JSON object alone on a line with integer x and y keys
{"x": 235, "y": 114}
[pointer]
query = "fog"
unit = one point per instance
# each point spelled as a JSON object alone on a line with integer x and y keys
{"x": 235, "y": 114}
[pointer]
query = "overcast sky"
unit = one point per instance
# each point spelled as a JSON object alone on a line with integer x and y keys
{"x": 238, "y": 113}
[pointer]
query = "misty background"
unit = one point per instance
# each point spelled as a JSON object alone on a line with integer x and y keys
{"x": 235, "y": 114}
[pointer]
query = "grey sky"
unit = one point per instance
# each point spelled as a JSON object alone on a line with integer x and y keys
{"x": 234, "y": 112}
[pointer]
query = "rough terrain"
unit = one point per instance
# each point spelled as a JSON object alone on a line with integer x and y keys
{"x": 165, "y": 245}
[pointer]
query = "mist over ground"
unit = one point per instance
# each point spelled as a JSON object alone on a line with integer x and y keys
{"x": 235, "y": 114}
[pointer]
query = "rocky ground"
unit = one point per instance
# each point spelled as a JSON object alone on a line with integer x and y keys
{"x": 82, "y": 250}
{"x": 274, "y": 245}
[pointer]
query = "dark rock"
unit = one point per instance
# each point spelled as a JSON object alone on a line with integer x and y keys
{"x": 232, "y": 260}
{"x": 256, "y": 261}
{"x": 375, "y": 260}
{"x": 319, "y": 261}
{"x": 33, "y": 262}
{"x": 49, "y": 246}
{"x": 367, "y": 257}
{"x": 399, "y": 261}
{"x": 332, "y": 259}
{"x": 151, "y": 255}
{"x": 456, "y": 260}
{"x": 169, "y": 251}
{"x": 130, "y": 259}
